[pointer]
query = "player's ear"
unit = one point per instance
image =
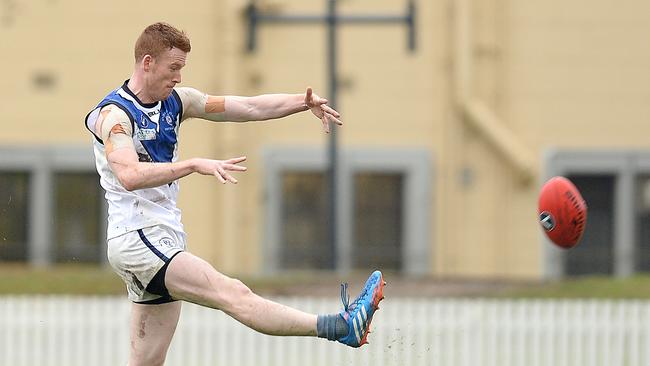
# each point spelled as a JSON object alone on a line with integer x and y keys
{"x": 146, "y": 62}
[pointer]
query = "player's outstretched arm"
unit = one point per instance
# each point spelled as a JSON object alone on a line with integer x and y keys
{"x": 258, "y": 108}
{"x": 115, "y": 129}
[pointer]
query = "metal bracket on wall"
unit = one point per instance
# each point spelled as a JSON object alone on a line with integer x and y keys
{"x": 257, "y": 17}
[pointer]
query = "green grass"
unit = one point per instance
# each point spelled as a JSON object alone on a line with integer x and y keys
{"x": 592, "y": 287}
{"x": 67, "y": 279}
{"x": 96, "y": 280}
{"x": 93, "y": 280}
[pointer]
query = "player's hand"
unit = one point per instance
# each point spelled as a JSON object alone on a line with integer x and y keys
{"x": 220, "y": 168}
{"x": 318, "y": 106}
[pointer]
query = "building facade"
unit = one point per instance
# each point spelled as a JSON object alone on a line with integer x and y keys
{"x": 441, "y": 157}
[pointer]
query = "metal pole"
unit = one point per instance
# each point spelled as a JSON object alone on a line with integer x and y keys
{"x": 332, "y": 151}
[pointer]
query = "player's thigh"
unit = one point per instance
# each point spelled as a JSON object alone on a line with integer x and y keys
{"x": 192, "y": 279}
{"x": 152, "y": 329}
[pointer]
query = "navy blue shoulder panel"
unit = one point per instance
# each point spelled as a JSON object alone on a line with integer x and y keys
{"x": 180, "y": 105}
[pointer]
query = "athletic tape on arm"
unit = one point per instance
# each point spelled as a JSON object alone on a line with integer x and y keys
{"x": 114, "y": 127}
{"x": 201, "y": 105}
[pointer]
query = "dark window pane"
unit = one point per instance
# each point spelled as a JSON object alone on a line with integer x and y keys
{"x": 305, "y": 243}
{"x": 595, "y": 253}
{"x": 77, "y": 220}
{"x": 14, "y": 217}
{"x": 378, "y": 221}
{"x": 643, "y": 224}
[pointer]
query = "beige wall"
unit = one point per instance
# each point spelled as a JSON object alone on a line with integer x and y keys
{"x": 557, "y": 74}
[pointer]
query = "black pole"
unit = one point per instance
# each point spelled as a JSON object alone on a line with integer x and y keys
{"x": 332, "y": 19}
{"x": 332, "y": 151}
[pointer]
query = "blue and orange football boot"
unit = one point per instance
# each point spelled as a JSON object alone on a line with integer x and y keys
{"x": 359, "y": 314}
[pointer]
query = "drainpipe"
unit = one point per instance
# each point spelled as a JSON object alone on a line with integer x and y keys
{"x": 477, "y": 113}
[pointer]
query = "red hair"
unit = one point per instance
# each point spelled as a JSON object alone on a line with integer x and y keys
{"x": 157, "y": 38}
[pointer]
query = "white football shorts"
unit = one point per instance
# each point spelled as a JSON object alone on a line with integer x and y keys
{"x": 138, "y": 255}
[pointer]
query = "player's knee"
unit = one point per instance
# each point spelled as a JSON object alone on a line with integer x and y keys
{"x": 240, "y": 290}
{"x": 234, "y": 300}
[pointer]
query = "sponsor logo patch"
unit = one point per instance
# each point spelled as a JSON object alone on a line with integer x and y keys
{"x": 144, "y": 134}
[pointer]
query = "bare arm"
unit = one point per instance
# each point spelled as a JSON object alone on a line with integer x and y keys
{"x": 259, "y": 108}
{"x": 115, "y": 129}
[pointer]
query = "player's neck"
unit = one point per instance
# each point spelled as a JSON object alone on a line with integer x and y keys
{"x": 136, "y": 85}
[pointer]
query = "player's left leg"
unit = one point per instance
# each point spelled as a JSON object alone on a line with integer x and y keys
{"x": 152, "y": 329}
{"x": 192, "y": 279}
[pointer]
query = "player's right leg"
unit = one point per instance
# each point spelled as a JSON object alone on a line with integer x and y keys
{"x": 152, "y": 329}
{"x": 141, "y": 258}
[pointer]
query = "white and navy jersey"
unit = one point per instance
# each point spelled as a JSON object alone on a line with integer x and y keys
{"x": 155, "y": 137}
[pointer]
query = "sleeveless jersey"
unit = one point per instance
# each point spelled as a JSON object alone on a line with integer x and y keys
{"x": 155, "y": 137}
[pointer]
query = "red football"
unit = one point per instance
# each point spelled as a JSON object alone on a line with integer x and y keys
{"x": 562, "y": 212}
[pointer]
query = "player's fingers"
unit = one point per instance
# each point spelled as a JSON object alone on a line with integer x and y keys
{"x": 224, "y": 176}
{"x": 334, "y": 119}
{"x": 219, "y": 176}
{"x": 326, "y": 126}
{"x": 318, "y": 112}
{"x": 230, "y": 178}
{"x": 236, "y": 168}
{"x": 236, "y": 160}
{"x": 308, "y": 95}
{"x": 331, "y": 111}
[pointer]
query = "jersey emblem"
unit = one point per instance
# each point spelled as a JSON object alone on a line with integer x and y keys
{"x": 169, "y": 119}
{"x": 143, "y": 122}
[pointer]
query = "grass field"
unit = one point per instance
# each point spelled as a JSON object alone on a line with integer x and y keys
{"x": 599, "y": 287}
{"x": 92, "y": 280}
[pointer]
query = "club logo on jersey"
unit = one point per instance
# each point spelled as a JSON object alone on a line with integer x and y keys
{"x": 169, "y": 120}
{"x": 143, "y": 122}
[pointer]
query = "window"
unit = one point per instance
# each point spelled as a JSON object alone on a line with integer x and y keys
{"x": 378, "y": 220}
{"x": 14, "y": 220}
{"x": 615, "y": 185}
{"x": 383, "y": 211}
{"x": 304, "y": 213}
{"x": 643, "y": 223}
{"x": 78, "y": 211}
{"x": 597, "y": 255}
{"x": 51, "y": 206}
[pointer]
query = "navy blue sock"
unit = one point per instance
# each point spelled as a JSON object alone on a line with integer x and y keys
{"x": 332, "y": 327}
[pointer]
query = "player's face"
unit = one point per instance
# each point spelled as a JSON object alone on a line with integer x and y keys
{"x": 165, "y": 73}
